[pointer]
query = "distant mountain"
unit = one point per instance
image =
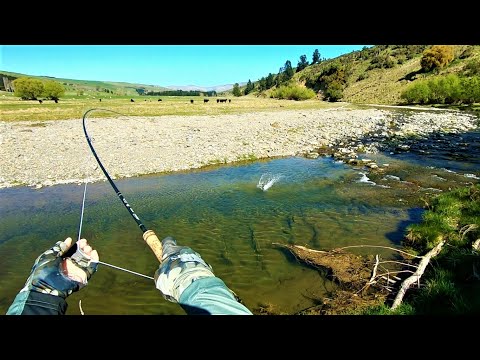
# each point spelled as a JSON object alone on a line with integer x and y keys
{"x": 217, "y": 88}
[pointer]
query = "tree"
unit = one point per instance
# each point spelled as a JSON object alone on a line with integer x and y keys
{"x": 236, "y": 90}
{"x": 315, "y": 57}
{"x": 288, "y": 70}
{"x": 334, "y": 91}
{"x": 436, "y": 57}
{"x": 302, "y": 63}
{"x": 28, "y": 88}
{"x": 262, "y": 84}
{"x": 249, "y": 88}
{"x": 53, "y": 89}
{"x": 269, "y": 81}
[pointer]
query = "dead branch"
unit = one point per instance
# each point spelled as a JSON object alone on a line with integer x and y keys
{"x": 388, "y": 280}
{"x": 417, "y": 275}
{"x": 341, "y": 266}
{"x": 398, "y": 262}
{"x": 80, "y": 306}
{"x": 476, "y": 245}
{"x": 378, "y": 246}
{"x": 395, "y": 272}
{"x": 466, "y": 229}
{"x": 374, "y": 272}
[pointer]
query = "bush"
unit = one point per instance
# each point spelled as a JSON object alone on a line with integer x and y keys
{"x": 466, "y": 53}
{"x": 362, "y": 76}
{"x": 470, "y": 90}
{"x": 28, "y": 88}
{"x": 418, "y": 92}
{"x": 445, "y": 90}
{"x": 293, "y": 92}
{"x": 53, "y": 90}
{"x": 472, "y": 68}
{"x": 436, "y": 57}
{"x": 334, "y": 91}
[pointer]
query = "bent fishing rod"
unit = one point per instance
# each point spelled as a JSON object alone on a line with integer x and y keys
{"x": 148, "y": 235}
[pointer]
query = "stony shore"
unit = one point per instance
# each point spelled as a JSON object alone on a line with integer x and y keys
{"x": 46, "y": 153}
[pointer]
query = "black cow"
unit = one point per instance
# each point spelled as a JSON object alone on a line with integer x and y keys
{"x": 131, "y": 100}
{"x": 100, "y": 100}
{"x": 56, "y": 101}
{"x": 205, "y": 101}
{"x": 191, "y": 101}
{"x": 229, "y": 100}
{"x": 159, "y": 99}
{"x": 40, "y": 101}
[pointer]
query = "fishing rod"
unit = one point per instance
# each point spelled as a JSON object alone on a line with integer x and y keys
{"x": 148, "y": 235}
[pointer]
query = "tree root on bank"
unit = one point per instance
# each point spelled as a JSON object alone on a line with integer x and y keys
{"x": 339, "y": 265}
{"x": 364, "y": 281}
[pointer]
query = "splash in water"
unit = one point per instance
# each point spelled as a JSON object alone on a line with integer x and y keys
{"x": 267, "y": 180}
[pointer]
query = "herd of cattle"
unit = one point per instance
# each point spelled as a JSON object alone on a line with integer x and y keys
{"x": 191, "y": 101}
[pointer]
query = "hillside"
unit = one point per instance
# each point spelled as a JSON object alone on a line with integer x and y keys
{"x": 384, "y": 86}
{"x": 77, "y": 87}
{"x": 376, "y": 75}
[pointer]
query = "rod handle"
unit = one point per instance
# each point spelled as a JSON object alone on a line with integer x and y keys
{"x": 152, "y": 240}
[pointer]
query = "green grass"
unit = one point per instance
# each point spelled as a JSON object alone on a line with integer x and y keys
{"x": 403, "y": 309}
{"x": 440, "y": 295}
{"x": 73, "y": 107}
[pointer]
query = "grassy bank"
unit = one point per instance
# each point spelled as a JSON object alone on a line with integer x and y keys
{"x": 73, "y": 107}
{"x": 451, "y": 283}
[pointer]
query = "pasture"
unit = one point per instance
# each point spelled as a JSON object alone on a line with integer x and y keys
{"x": 13, "y": 108}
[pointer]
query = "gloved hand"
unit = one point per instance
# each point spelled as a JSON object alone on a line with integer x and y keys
{"x": 53, "y": 274}
{"x": 180, "y": 266}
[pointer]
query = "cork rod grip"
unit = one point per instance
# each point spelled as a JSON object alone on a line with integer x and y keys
{"x": 152, "y": 240}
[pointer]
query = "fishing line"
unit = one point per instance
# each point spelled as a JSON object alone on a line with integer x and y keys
{"x": 148, "y": 235}
{"x": 102, "y": 262}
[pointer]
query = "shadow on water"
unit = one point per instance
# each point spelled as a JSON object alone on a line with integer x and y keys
{"x": 414, "y": 217}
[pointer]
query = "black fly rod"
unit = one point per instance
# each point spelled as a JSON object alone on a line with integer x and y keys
{"x": 148, "y": 235}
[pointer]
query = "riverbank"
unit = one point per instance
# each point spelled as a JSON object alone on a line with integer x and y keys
{"x": 46, "y": 153}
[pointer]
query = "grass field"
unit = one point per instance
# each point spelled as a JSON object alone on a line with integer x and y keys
{"x": 73, "y": 107}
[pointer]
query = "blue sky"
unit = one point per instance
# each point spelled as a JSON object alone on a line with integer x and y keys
{"x": 163, "y": 65}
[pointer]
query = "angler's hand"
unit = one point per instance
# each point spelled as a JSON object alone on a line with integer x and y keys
{"x": 180, "y": 266}
{"x": 54, "y": 274}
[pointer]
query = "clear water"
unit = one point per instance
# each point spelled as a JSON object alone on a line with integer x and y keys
{"x": 231, "y": 215}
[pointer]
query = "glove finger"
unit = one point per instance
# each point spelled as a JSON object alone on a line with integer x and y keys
{"x": 91, "y": 269}
{"x": 62, "y": 247}
{"x": 55, "y": 251}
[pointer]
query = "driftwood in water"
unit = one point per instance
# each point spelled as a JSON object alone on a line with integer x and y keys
{"x": 341, "y": 266}
{"x": 417, "y": 274}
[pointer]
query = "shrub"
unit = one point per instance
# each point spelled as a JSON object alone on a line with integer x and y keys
{"x": 436, "y": 57}
{"x": 293, "y": 92}
{"x": 466, "y": 53}
{"x": 470, "y": 90}
{"x": 28, "y": 88}
{"x": 418, "y": 92}
{"x": 53, "y": 89}
{"x": 334, "y": 91}
{"x": 472, "y": 68}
